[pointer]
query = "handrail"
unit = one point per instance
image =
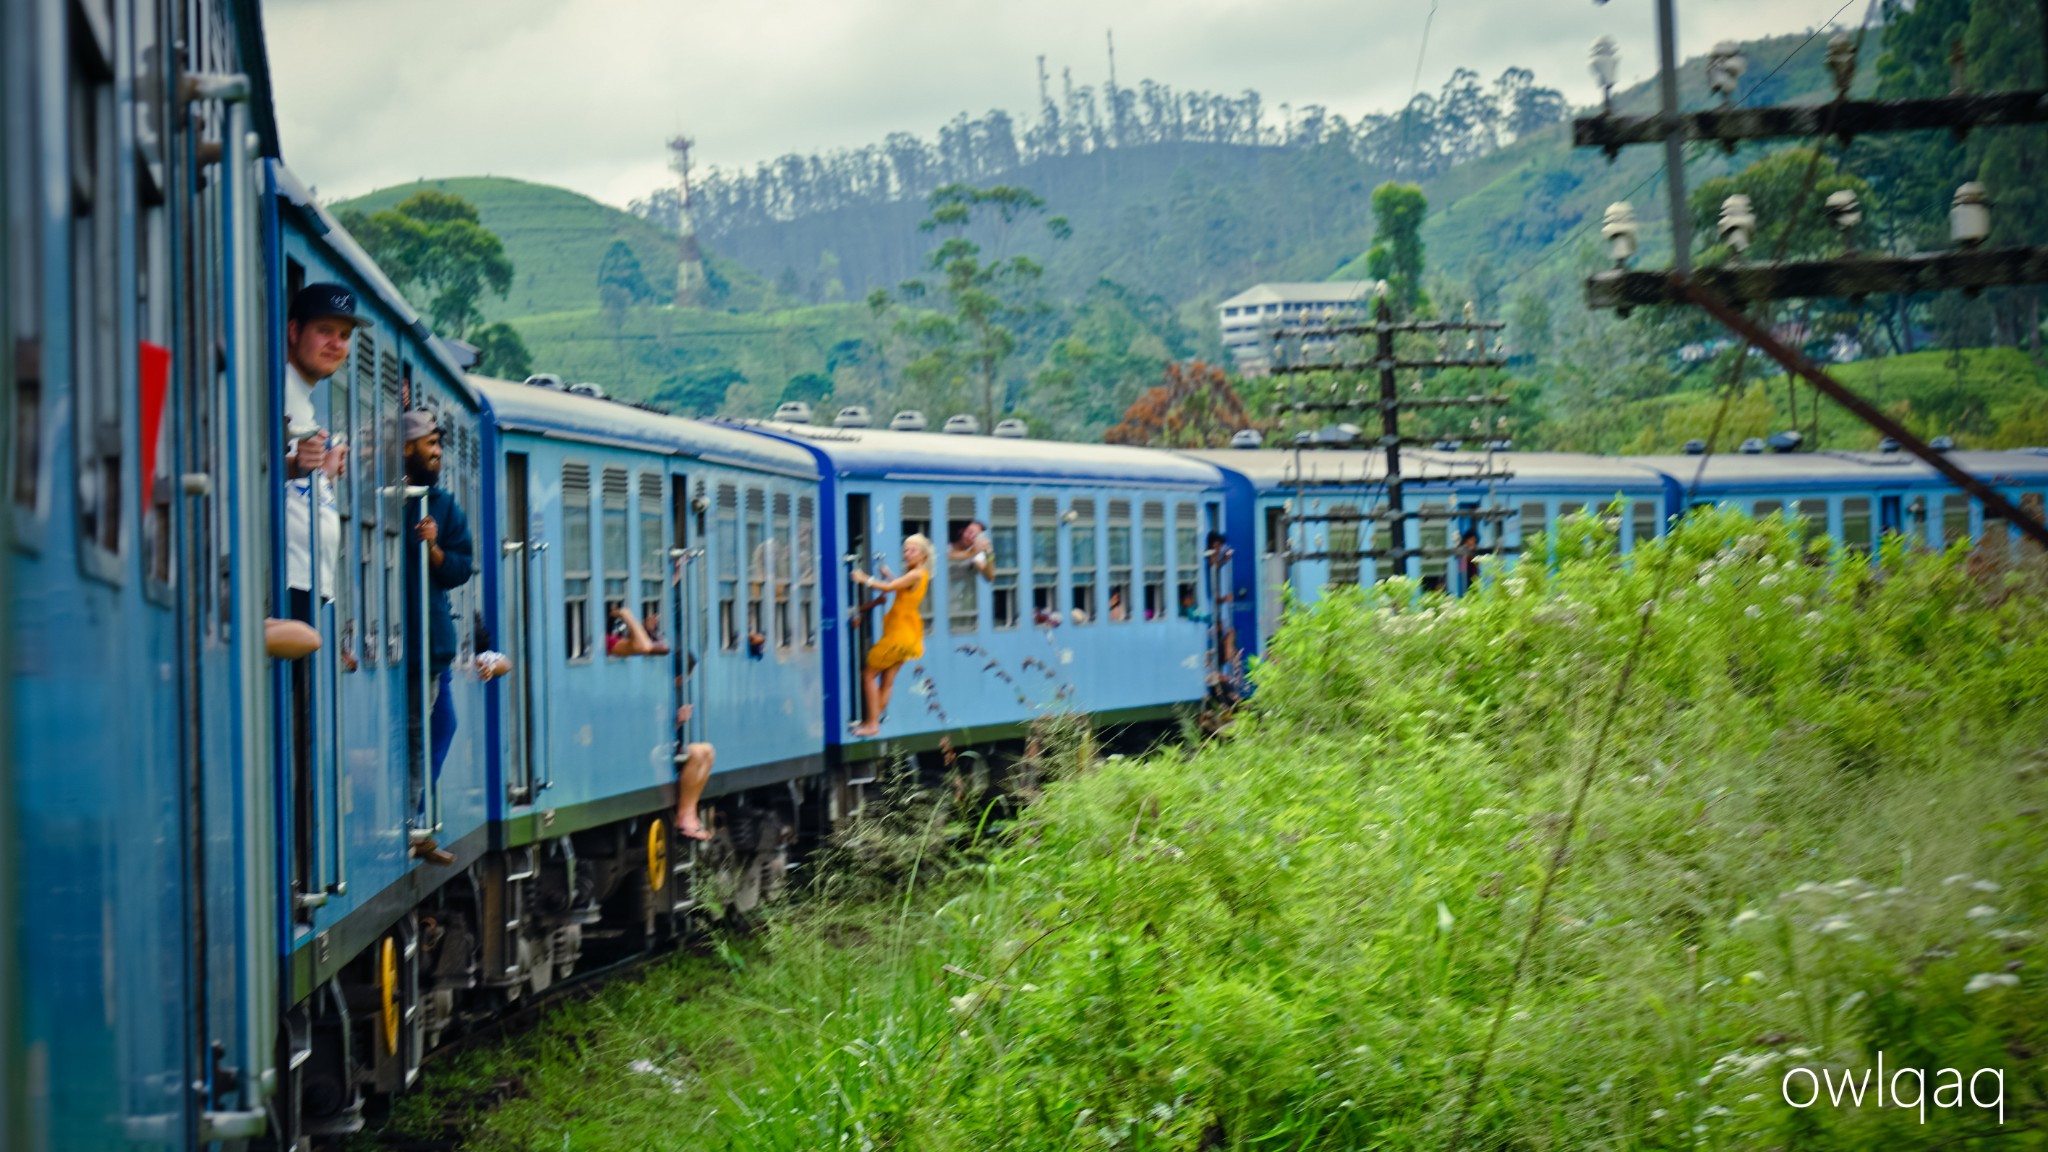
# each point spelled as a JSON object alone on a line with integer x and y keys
{"x": 514, "y": 553}
{"x": 544, "y": 755}
{"x": 430, "y": 798}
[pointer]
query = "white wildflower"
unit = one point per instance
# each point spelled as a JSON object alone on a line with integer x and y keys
{"x": 1834, "y": 924}
{"x": 1984, "y": 980}
{"x": 1958, "y": 878}
{"x": 1981, "y": 912}
{"x": 1813, "y": 617}
{"x": 1745, "y": 916}
{"x": 1795, "y": 602}
{"x": 1985, "y": 885}
{"x": 1715, "y": 1110}
{"x": 1770, "y": 581}
{"x": 1753, "y": 612}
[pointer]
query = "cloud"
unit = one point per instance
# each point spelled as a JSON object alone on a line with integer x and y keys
{"x": 582, "y": 93}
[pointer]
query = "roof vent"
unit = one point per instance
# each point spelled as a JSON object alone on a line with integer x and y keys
{"x": 853, "y": 416}
{"x": 1754, "y": 446}
{"x": 908, "y": 420}
{"x": 1246, "y": 438}
{"x": 1695, "y": 448}
{"x": 1887, "y": 445}
{"x": 544, "y": 380}
{"x": 1337, "y": 434}
{"x": 1942, "y": 443}
{"x": 1446, "y": 446}
{"x": 1304, "y": 437}
{"x": 793, "y": 412}
{"x": 1500, "y": 445}
{"x": 586, "y": 389}
{"x": 1785, "y": 441}
{"x": 962, "y": 425}
{"x": 1011, "y": 429}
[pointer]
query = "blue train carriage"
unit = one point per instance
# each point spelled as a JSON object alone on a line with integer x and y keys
{"x": 351, "y": 744}
{"x": 1097, "y": 601}
{"x": 1857, "y": 498}
{"x": 135, "y": 844}
{"x": 1297, "y": 517}
{"x": 708, "y": 537}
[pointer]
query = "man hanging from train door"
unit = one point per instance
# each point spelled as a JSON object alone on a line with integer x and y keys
{"x": 450, "y": 563}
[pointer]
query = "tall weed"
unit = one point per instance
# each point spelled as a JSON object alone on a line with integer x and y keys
{"x": 1817, "y": 834}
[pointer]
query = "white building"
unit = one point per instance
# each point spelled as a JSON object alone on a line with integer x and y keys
{"x": 1249, "y": 318}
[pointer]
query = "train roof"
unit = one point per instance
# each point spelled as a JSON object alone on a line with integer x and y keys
{"x": 565, "y": 415}
{"x": 1833, "y": 469}
{"x": 1271, "y": 469}
{"x": 939, "y": 456}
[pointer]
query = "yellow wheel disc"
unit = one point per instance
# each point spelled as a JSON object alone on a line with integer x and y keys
{"x": 387, "y": 981}
{"x": 657, "y": 856}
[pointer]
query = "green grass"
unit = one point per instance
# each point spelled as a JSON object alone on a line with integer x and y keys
{"x": 1817, "y": 834}
{"x": 1983, "y": 397}
{"x": 556, "y": 239}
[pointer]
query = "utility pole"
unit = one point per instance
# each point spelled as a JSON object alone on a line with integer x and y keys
{"x": 1347, "y": 393}
{"x": 1723, "y": 291}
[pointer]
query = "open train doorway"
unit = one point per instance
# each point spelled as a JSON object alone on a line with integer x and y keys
{"x": 859, "y": 617}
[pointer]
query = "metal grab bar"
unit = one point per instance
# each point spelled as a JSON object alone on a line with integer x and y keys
{"x": 547, "y": 758}
{"x": 521, "y": 787}
{"x": 430, "y": 798}
{"x": 684, "y": 607}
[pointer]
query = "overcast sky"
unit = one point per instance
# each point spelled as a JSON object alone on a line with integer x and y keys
{"x": 582, "y": 93}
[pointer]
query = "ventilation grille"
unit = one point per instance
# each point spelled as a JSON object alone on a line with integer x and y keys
{"x": 1003, "y": 508}
{"x": 615, "y": 488}
{"x": 576, "y": 478}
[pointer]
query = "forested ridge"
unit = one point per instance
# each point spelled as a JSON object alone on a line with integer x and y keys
{"x": 1158, "y": 204}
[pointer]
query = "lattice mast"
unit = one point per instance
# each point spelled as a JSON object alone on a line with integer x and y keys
{"x": 691, "y": 282}
{"x": 1350, "y": 393}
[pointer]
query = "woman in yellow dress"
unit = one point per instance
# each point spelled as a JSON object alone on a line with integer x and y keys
{"x": 902, "y": 628}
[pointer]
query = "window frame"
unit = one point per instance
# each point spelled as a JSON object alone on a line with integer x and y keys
{"x": 725, "y": 546}
{"x": 578, "y": 568}
{"x": 1117, "y": 525}
{"x": 614, "y": 544}
{"x": 1085, "y": 561}
{"x": 1004, "y": 610}
{"x": 1043, "y": 536}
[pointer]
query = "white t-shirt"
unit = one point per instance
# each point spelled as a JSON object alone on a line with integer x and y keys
{"x": 299, "y": 495}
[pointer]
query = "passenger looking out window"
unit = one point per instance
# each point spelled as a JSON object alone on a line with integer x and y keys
{"x": 450, "y": 563}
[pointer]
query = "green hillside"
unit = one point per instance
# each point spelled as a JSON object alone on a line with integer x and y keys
{"x": 556, "y": 239}
{"x": 700, "y": 362}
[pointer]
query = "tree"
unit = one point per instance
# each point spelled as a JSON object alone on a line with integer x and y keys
{"x": 435, "y": 243}
{"x": 968, "y": 345}
{"x": 1396, "y": 254}
{"x": 620, "y": 285}
{"x": 501, "y": 353}
{"x": 1195, "y": 407}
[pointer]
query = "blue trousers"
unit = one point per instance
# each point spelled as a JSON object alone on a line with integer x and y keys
{"x": 443, "y": 723}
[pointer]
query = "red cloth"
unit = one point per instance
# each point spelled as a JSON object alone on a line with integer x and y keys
{"x": 155, "y": 362}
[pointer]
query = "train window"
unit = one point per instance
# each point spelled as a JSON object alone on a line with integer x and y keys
{"x": 96, "y": 395}
{"x": 1002, "y": 533}
{"x": 1763, "y": 509}
{"x": 1344, "y": 544}
{"x": 1856, "y": 523}
{"x": 359, "y": 490}
{"x": 1432, "y": 533}
{"x": 1152, "y": 537}
{"x": 152, "y": 307}
{"x": 963, "y": 586}
{"x": 20, "y": 169}
{"x": 1810, "y": 517}
{"x": 576, "y": 560}
{"x": 756, "y": 529}
{"x": 725, "y": 542}
{"x": 1569, "y": 508}
{"x": 393, "y": 515}
{"x": 807, "y": 568}
{"x": 1955, "y": 519}
{"x": 1642, "y": 514}
{"x": 653, "y": 550}
{"x": 1187, "y": 550}
{"x": 618, "y": 566}
{"x": 2024, "y": 547}
{"x": 1045, "y": 559}
{"x": 1119, "y": 560}
{"x": 1276, "y": 530}
{"x": 1531, "y": 520}
{"x": 917, "y": 520}
{"x": 1081, "y": 554}
{"x": 782, "y": 546}
{"x": 341, "y": 408}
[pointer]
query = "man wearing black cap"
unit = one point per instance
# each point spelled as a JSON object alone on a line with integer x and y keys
{"x": 450, "y": 563}
{"x": 318, "y": 330}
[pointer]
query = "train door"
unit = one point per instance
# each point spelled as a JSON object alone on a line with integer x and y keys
{"x": 521, "y": 554}
{"x": 685, "y": 610}
{"x": 859, "y": 618}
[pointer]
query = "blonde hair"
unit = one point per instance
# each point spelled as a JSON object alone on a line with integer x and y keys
{"x": 924, "y": 546}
